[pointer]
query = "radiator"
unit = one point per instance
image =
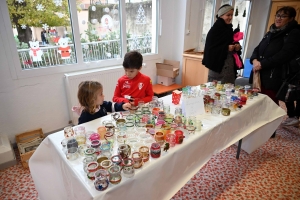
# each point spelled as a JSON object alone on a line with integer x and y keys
{"x": 108, "y": 77}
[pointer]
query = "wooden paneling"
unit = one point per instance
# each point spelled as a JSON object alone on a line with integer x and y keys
{"x": 276, "y": 5}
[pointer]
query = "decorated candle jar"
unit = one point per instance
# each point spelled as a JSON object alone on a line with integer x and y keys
{"x": 171, "y": 139}
{"x": 101, "y": 183}
{"x": 115, "y": 174}
{"x": 128, "y": 169}
{"x": 159, "y": 138}
{"x": 96, "y": 145}
{"x": 116, "y": 159}
{"x": 155, "y": 150}
{"x": 68, "y": 132}
{"x": 179, "y": 136}
{"x": 144, "y": 150}
{"x": 124, "y": 150}
{"x": 138, "y": 159}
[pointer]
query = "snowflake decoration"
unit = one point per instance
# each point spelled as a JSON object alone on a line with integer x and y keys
{"x": 20, "y": 1}
{"x": 93, "y": 8}
{"x": 60, "y": 15}
{"x": 108, "y": 55}
{"x": 57, "y": 2}
{"x": 23, "y": 26}
{"x": 40, "y": 7}
{"x": 106, "y": 9}
{"x": 45, "y": 26}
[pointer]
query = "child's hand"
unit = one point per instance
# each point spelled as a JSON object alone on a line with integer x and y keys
{"x": 126, "y": 106}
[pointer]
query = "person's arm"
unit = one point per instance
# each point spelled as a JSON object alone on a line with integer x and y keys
{"x": 117, "y": 94}
{"x": 121, "y": 106}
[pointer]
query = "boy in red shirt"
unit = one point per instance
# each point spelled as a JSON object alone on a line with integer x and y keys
{"x": 133, "y": 86}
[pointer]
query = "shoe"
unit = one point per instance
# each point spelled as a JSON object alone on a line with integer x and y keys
{"x": 292, "y": 121}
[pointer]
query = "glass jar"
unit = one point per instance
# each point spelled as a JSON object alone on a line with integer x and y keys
{"x": 101, "y": 183}
{"x": 72, "y": 153}
{"x": 86, "y": 161}
{"x": 68, "y": 132}
{"x": 128, "y": 169}
{"x": 138, "y": 160}
{"x": 122, "y": 128}
{"x": 155, "y": 150}
{"x": 144, "y": 150}
{"x": 106, "y": 164}
{"x": 96, "y": 145}
{"x": 116, "y": 159}
{"x": 72, "y": 142}
{"x": 129, "y": 126}
{"x": 110, "y": 127}
{"x": 124, "y": 150}
{"x": 159, "y": 138}
{"x": 115, "y": 174}
{"x": 171, "y": 139}
{"x": 105, "y": 149}
{"x": 101, "y": 130}
{"x": 110, "y": 137}
{"x": 90, "y": 152}
{"x": 115, "y": 116}
{"x": 179, "y": 136}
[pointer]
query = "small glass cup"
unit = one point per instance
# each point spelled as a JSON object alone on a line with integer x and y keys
{"x": 167, "y": 108}
{"x": 72, "y": 153}
{"x": 68, "y": 132}
{"x": 144, "y": 150}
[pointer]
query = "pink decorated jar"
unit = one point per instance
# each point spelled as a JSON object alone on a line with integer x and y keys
{"x": 155, "y": 150}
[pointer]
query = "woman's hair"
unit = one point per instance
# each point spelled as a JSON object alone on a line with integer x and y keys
{"x": 288, "y": 10}
{"x": 87, "y": 95}
{"x": 133, "y": 60}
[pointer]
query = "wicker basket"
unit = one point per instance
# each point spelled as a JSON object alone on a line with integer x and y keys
{"x": 27, "y": 143}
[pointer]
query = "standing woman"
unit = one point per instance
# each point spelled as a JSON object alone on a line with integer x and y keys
{"x": 278, "y": 47}
{"x": 219, "y": 48}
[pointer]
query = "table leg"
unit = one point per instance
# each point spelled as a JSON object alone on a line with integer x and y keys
{"x": 239, "y": 149}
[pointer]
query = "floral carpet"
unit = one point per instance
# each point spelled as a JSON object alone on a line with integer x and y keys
{"x": 271, "y": 172}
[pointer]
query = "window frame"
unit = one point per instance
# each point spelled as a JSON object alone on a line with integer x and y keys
{"x": 17, "y": 72}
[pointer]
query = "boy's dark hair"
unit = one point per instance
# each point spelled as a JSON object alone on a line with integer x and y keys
{"x": 133, "y": 60}
{"x": 288, "y": 10}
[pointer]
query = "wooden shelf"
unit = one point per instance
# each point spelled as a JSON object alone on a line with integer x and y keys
{"x": 160, "y": 89}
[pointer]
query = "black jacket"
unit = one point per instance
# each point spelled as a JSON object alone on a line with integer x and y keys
{"x": 105, "y": 107}
{"x": 275, "y": 50}
{"x": 216, "y": 46}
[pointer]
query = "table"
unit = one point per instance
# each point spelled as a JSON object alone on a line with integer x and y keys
{"x": 57, "y": 178}
{"x": 160, "y": 89}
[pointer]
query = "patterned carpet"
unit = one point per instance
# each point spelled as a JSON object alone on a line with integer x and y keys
{"x": 271, "y": 172}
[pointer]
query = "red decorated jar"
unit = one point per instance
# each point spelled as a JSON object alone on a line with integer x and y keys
{"x": 179, "y": 136}
{"x": 155, "y": 150}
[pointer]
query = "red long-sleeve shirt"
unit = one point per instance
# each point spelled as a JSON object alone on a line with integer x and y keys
{"x": 139, "y": 88}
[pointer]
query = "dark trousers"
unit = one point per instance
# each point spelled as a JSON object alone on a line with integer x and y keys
{"x": 271, "y": 94}
{"x": 292, "y": 110}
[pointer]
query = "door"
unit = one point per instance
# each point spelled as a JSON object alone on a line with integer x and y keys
{"x": 276, "y": 5}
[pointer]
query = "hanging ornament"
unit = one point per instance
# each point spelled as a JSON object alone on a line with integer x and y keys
{"x": 23, "y": 26}
{"x": 60, "y": 15}
{"x": 236, "y": 12}
{"x": 57, "y": 2}
{"x": 140, "y": 17}
{"x": 93, "y": 8}
{"x": 45, "y": 26}
{"x": 83, "y": 22}
{"x": 94, "y": 21}
{"x": 108, "y": 54}
{"x": 106, "y": 9}
{"x": 244, "y": 14}
{"x": 20, "y": 1}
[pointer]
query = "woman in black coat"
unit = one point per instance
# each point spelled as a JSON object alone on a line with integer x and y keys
{"x": 219, "y": 48}
{"x": 277, "y": 47}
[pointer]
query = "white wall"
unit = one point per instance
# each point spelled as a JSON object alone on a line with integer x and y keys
{"x": 31, "y": 103}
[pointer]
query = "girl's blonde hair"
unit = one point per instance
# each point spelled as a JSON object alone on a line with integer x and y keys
{"x": 87, "y": 95}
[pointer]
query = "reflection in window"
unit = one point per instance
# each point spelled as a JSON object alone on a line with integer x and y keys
{"x": 99, "y": 24}
{"x": 42, "y": 32}
{"x": 141, "y": 26}
{"x": 208, "y": 16}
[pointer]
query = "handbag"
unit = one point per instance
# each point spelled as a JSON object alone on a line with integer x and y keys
{"x": 256, "y": 81}
{"x": 283, "y": 92}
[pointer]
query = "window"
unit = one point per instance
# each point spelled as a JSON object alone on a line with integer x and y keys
{"x": 46, "y": 35}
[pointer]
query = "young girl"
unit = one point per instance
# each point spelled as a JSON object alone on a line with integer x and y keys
{"x": 91, "y": 98}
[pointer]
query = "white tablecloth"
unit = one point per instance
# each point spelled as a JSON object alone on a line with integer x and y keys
{"x": 55, "y": 177}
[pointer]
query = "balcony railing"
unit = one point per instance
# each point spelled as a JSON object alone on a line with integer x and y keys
{"x": 92, "y": 51}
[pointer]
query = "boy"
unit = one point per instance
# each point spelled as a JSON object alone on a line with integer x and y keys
{"x": 133, "y": 86}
